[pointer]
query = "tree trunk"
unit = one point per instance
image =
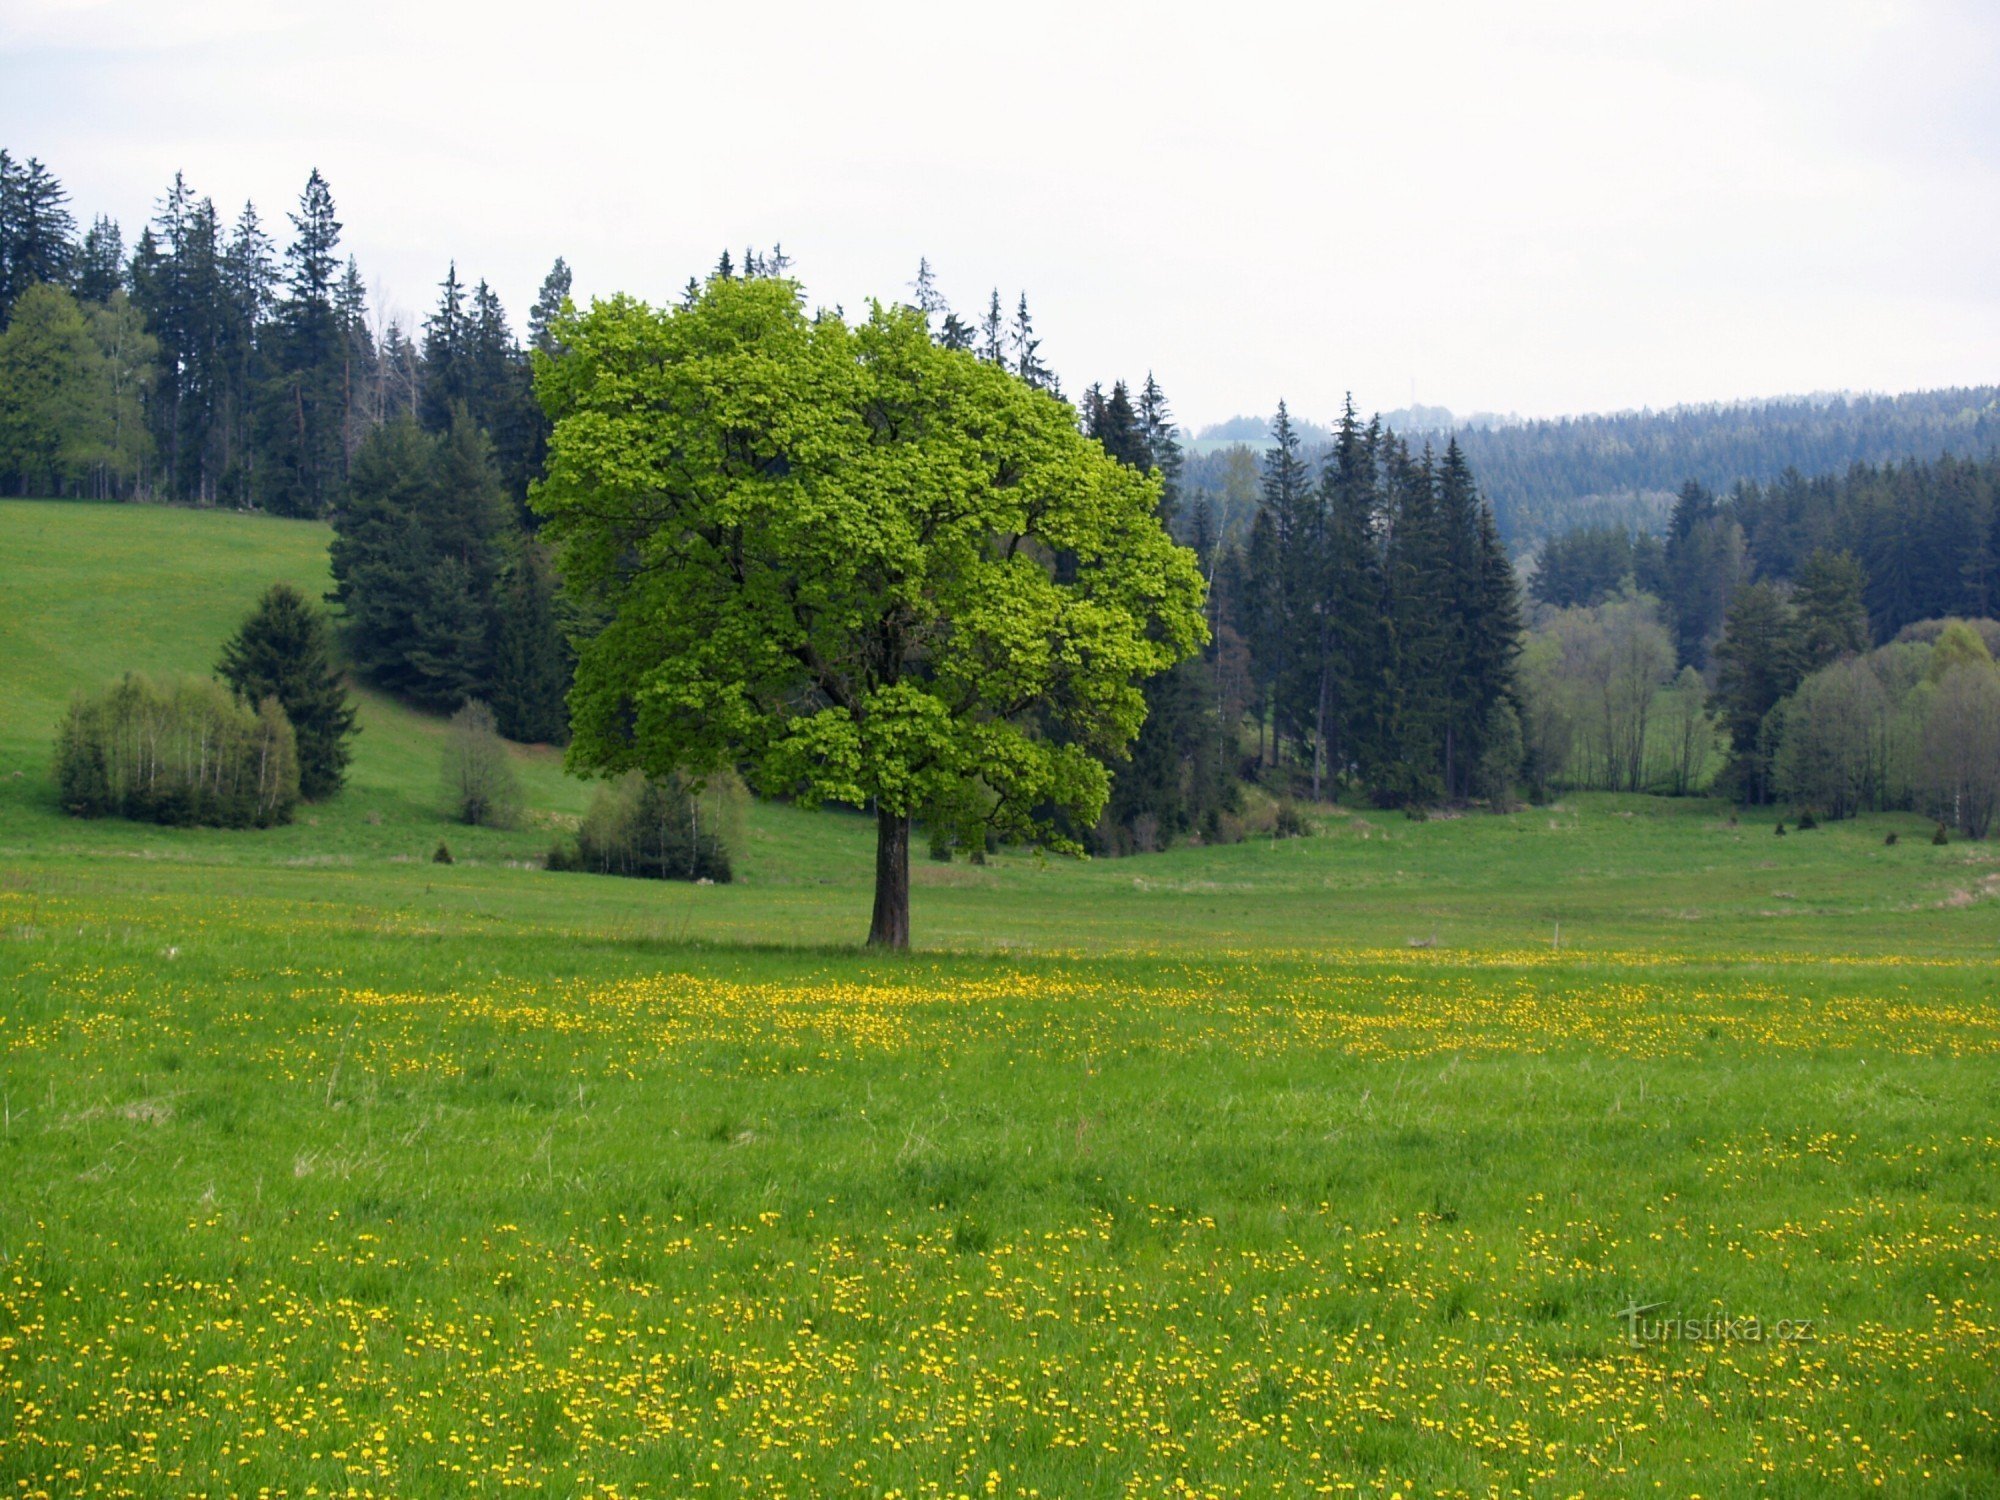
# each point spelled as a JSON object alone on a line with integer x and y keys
{"x": 890, "y": 926}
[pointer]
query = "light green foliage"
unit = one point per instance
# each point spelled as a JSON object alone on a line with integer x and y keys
{"x": 1600, "y": 711}
{"x": 480, "y": 787}
{"x": 1957, "y": 645}
{"x": 826, "y": 553}
{"x": 72, "y": 381}
{"x": 181, "y": 751}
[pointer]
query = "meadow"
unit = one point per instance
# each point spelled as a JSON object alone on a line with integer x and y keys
{"x": 1317, "y": 1166}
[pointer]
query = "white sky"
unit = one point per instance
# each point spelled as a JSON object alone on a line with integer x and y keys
{"x": 1535, "y": 207}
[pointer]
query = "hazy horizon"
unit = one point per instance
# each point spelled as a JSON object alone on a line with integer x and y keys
{"x": 1547, "y": 215}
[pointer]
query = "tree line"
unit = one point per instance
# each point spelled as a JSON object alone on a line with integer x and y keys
{"x": 1362, "y": 630}
{"x": 1777, "y": 642}
{"x": 1924, "y": 532}
{"x": 1548, "y": 478}
{"x": 1545, "y": 476}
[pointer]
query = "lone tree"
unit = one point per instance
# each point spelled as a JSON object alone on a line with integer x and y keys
{"x": 828, "y": 554}
{"x": 282, "y": 652}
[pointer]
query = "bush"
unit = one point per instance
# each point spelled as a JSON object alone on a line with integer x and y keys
{"x": 1289, "y": 823}
{"x": 1940, "y": 837}
{"x": 181, "y": 751}
{"x": 1807, "y": 822}
{"x": 649, "y": 830}
{"x": 479, "y": 780}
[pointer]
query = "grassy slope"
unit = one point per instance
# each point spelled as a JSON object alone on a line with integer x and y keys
{"x": 307, "y": 1140}
{"x": 94, "y": 590}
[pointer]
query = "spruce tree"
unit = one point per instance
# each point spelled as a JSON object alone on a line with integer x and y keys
{"x": 531, "y": 660}
{"x": 282, "y": 651}
{"x": 926, "y": 298}
{"x": 1832, "y": 620}
{"x": 547, "y": 307}
{"x": 1491, "y": 736}
{"x": 37, "y": 231}
{"x": 447, "y": 364}
{"x": 449, "y": 631}
{"x": 1026, "y": 349}
{"x": 303, "y": 410}
{"x": 1483, "y": 617}
{"x": 1177, "y": 780}
{"x": 100, "y": 261}
{"x": 1296, "y": 670}
{"x": 955, "y": 332}
{"x": 1163, "y": 444}
{"x": 1758, "y": 656}
{"x": 249, "y": 283}
{"x": 1413, "y": 676}
{"x": 992, "y": 333}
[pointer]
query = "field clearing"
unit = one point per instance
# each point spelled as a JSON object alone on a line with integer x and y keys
{"x": 332, "y": 1171}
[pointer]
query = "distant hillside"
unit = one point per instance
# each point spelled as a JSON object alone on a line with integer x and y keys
{"x": 1546, "y": 477}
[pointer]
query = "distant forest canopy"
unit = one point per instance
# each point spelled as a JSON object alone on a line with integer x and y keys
{"x": 1924, "y": 533}
{"x": 201, "y": 363}
{"x": 1547, "y": 477}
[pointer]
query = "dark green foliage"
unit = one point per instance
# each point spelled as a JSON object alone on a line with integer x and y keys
{"x": 1759, "y": 664}
{"x": 283, "y": 652}
{"x": 531, "y": 660}
{"x": 1585, "y": 567}
{"x": 1546, "y": 477}
{"x": 263, "y": 380}
{"x": 37, "y": 231}
{"x": 442, "y": 854}
{"x": 548, "y": 306}
{"x": 649, "y": 829}
{"x": 1704, "y": 557}
{"x": 1872, "y": 551}
{"x": 1380, "y": 618}
{"x": 443, "y": 598}
{"x": 1177, "y": 782}
{"x": 100, "y": 262}
{"x": 182, "y": 751}
{"x": 1891, "y": 839}
{"x": 302, "y": 420}
{"x": 1807, "y": 822}
{"x": 1939, "y": 837}
{"x": 1828, "y": 596}
{"x": 1026, "y": 351}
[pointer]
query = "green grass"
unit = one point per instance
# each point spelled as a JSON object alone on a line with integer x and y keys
{"x": 328, "y": 1170}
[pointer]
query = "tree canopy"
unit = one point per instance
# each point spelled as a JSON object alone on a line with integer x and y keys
{"x": 866, "y": 567}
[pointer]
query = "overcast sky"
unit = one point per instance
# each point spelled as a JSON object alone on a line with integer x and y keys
{"x": 1537, "y": 207}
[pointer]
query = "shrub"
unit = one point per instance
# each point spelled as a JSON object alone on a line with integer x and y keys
{"x": 649, "y": 830}
{"x": 1891, "y": 839}
{"x": 479, "y": 783}
{"x": 179, "y": 750}
{"x": 1807, "y": 821}
{"x": 1940, "y": 837}
{"x": 1289, "y": 823}
{"x": 443, "y": 854}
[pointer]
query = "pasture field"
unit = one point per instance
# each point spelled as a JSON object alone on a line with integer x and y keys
{"x": 325, "y": 1170}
